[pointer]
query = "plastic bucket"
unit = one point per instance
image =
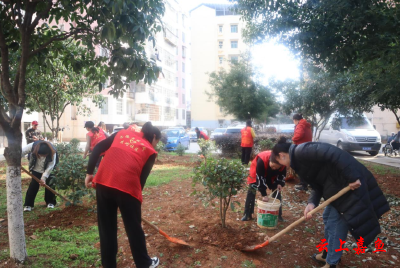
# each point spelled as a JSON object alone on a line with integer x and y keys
{"x": 267, "y": 213}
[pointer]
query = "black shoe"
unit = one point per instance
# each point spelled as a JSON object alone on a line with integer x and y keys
{"x": 246, "y": 218}
{"x": 301, "y": 188}
{"x": 280, "y": 219}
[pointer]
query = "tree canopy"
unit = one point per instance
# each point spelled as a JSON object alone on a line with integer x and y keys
{"x": 31, "y": 31}
{"x": 238, "y": 93}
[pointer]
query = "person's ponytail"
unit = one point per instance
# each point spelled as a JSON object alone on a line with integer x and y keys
{"x": 281, "y": 147}
{"x": 149, "y": 131}
{"x": 95, "y": 130}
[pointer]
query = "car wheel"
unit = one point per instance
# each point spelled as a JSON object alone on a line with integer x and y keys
{"x": 188, "y": 145}
{"x": 340, "y": 145}
{"x": 373, "y": 153}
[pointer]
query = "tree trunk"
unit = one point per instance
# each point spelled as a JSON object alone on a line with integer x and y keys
{"x": 221, "y": 212}
{"x": 44, "y": 125}
{"x": 16, "y": 232}
{"x": 395, "y": 114}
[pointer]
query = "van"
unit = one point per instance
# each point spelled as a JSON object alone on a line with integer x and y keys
{"x": 351, "y": 135}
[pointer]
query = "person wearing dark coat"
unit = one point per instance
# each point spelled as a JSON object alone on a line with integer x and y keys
{"x": 329, "y": 169}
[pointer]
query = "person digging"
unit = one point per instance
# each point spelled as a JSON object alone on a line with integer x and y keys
{"x": 328, "y": 170}
{"x": 265, "y": 172}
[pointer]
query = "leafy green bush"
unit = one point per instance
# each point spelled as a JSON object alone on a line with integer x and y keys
{"x": 230, "y": 144}
{"x": 70, "y": 172}
{"x": 180, "y": 150}
{"x": 48, "y": 135}
{"x": 221, "y": 179}
{"x": 74, "y": 143}
{"x": 206, "y": 147}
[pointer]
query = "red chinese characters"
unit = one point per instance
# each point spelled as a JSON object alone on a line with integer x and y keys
{"x": 379, "y": 246}
{"x": 360, "y": 248}
{"x": 322, "y": 246}
{"x": 341, "y": 244}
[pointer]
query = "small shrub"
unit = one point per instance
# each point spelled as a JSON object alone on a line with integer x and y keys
{"x": 70, "y": 173}
{"x": 206, "y": 147}
{"x": 48, "y": 135}
{"x": 180, "y": 150}
{"x": 266, "y": 144}
{"x": 221, "y": 179}
{"x": 74, "y": 143}
{"x": 160, "y": 147}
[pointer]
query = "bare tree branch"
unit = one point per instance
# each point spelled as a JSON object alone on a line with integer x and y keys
{"x": 41, "y": 15}
{"x": 5, "y": 68}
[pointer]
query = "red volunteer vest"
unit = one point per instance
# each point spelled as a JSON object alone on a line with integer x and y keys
{"x": 265, "y": 156}
{"x": 122, "y": 165}
{"x": 204, "y": 135}
{"x": 96, "y": 138}
{"x": 247, "y": 138}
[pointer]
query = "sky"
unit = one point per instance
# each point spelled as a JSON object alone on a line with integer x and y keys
{"x": 273, "y": 60}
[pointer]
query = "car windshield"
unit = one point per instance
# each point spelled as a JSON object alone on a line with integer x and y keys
{"x": 219, "y": 130}
{"x": 172, "y": 133}
{"x": 350, "y": 123}
{"x": 233, "y": 130}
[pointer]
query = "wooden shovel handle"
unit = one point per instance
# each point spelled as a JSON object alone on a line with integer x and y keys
{"x": 315, "y": 210}
{"x": 45, "y": 186}
{"x": 151, "y": 225}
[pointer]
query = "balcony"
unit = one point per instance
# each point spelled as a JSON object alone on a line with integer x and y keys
{"x": 143, "y": 97}
{"x": 170, "y": 36}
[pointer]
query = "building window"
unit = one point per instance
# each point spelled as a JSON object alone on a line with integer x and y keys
{"x": 128, "y": 108}
{"x": 234, "y": 44}
{"x": 177, "y": 33}
{"x": 104, "y": 106}
{"x": 183, "y": 52}
{"x": 177, "y": 114}
{"x": 183, "y": 37}
{"x": 177, "y": 17}
{"x": 183, "y": 67}
{"x": 119, "y": 107}
{"x": 234, "y": 58}
{"x": 176, "y": 81}
{"x": 183, "y": 82}
{"x": 183, "y": 114}
{"x": 221, "y": 44}
{"x": 220, "y": 28}
{"x": 183, "y": 99}
{"x": 234, "y": 28}
{"x": 183, "y": 20}
{"x": 177, "y": 51}
{"x": 177, "y": 65}
{"x": 221, "y": 59}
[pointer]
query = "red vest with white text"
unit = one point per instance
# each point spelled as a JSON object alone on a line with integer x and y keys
{"x": 122, "y": 165}
{"x": 265, "y": 156}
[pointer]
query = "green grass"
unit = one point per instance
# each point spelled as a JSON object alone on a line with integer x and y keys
{"x": 54, "y": 248}
{"x": 249, "y": 264}
{"x": 379, "y": 169}
{"x": 163, "y": 175}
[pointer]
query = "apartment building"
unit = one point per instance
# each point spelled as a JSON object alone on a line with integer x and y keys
{"x": 216, "y": 40}
{"x": 167, "y": 101}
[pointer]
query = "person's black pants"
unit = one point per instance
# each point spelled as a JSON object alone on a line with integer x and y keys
{"x": 251, "y": 198}
{"x": 33, "y": 189}
{"x": 108, "y": 202}
{"x": 246, "y": 153}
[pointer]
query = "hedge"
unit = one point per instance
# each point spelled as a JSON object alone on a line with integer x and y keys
{"x": 229, "y": 145}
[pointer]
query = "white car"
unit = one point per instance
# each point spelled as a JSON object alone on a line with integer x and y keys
{"x": 358, "y": 135}
{"x": 193, "y": 135}
{"x": 236, "y": 130}
{"x": 217, "y": 132}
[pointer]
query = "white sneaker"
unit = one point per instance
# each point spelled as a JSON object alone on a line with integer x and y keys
{"x": 50, "y": 206}
{"x": 154, "y": 262}
{"x": 27, "y": 208}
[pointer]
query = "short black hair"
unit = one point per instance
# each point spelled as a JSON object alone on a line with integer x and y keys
{"x": 297, "y": 116}
{"x": 248, "y": 123}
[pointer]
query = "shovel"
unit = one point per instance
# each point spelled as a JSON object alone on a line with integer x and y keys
{"x": 172, "y": 239}
{"x": 291, "y": 226}
{"x": 45, "y": 186}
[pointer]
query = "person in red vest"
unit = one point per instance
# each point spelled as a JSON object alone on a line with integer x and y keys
{"x": 265, "y": 172}
{"x": 119, "y": 183}
{"x": 93, "y": 137}
{"x": 302, "y": 134}
{"x": 248, "y": 136}
{"x": 201, "y": 134}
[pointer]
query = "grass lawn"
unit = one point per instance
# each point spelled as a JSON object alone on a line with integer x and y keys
{"x": 380, "y": 169}
{"x": 70, "y": 247}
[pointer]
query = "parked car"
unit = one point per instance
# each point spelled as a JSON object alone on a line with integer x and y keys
{"x": 116, "y": 129}
{"x": 176, "y": 137}
{"x": 236, "y": 130}
{"x": 217, "y": 132}
{"x": 285, "y": 129}
{"x": 193, "y": 135}
{"x": 352, "y": 135}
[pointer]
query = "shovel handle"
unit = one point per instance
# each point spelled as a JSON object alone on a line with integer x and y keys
{"x": 45, "y": 186}
{"x": 312, "y": 212}
{"x": 151, "y": 225}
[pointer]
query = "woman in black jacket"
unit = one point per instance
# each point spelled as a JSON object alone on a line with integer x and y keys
{"x": 329, "y": 169}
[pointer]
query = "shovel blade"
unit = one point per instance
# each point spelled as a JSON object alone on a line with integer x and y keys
{"x": 255, "y": 247}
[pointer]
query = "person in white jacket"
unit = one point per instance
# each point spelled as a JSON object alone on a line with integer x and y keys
{"x": 42, "y": 160}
